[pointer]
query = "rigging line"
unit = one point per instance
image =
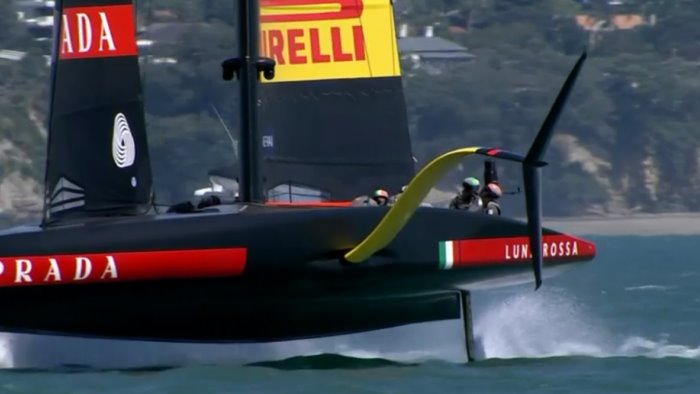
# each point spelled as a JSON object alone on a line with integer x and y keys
{"x": 226, "y": 129}
{"x": 147, "y": 23}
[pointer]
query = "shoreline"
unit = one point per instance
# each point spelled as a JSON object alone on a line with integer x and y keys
{"x": 640, "y": 224}
{"x": 643, "y": 224}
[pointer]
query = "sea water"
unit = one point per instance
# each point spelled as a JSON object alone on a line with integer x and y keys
{"x": 628, "y": 322}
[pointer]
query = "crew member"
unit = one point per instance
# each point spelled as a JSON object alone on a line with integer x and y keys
{"x": 363, "y": 201}
{"x": 468, "y": 198}
{"x": 490, "y": 195}
{"x": 381, "y": 197}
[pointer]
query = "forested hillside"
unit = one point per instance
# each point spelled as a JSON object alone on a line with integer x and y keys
{"x": 628, "y": 141}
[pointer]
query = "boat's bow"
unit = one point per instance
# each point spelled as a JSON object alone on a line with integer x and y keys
{"x": 397, "y": 217}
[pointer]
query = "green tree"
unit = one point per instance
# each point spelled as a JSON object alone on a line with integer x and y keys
{"x": 8, "y": 23}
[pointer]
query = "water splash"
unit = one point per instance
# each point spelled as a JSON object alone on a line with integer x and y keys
{"x": 643, "y": 347}
{"x": 542, "y": 324}
{"x": 6, "y": 358}
{"x": 649, "y": 287}
{"x": 552, "y": 323}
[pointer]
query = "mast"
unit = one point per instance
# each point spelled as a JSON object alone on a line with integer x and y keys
{"x": 55, "y": 47}
{"x": 249, "y": 29}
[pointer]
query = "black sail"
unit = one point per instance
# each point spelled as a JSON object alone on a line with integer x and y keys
{"x": 334, "y": 117}
{"x": 97, "y": 161}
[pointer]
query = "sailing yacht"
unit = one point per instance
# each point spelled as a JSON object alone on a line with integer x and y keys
{"x": 290, "y": 259}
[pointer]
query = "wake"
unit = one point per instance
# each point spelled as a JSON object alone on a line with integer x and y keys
{"x": 551, "y": 323}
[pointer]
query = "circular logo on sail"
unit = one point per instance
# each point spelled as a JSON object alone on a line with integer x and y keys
{"x": 123, "y": 147}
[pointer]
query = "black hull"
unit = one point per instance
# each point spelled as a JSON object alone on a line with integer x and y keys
{"x": 209, "y": 311}
{"x": 294, "y": 283}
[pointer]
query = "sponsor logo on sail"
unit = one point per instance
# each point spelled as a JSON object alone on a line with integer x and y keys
{"x": 337, "y": 42}
{"x": 123, "y": 146}
{"x": 309, "y": 10}
{"x": 90, "y": 32}
{"x": 65, "y": 195}
{"x": 349, "y": 38}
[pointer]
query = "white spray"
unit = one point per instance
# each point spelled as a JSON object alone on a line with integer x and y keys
{"x": 550, "y": 323}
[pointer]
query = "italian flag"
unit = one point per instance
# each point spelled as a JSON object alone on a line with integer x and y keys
{"x": 446, "y": 254}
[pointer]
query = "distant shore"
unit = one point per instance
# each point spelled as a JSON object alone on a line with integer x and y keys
{"x": 634, "y": 224}
{"x": 678, "y": 223}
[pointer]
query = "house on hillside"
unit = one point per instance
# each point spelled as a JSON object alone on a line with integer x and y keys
{"x": 12, "y": 56}
{"x": 596, "y": 26}
{"x": 158, "y": 42}
{"x": 37, "y": 15}
{"x": 430, "y": 53}
{"x": 614, "y": 22}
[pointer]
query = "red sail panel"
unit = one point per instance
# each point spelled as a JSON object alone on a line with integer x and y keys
{"x": 98, "y": 31}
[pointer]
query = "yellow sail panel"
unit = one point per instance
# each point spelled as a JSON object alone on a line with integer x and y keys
{"x": 329, "y": 39}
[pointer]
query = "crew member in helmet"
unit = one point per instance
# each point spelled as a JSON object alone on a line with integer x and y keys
{"x": 468, "y": 198}
{"x": 381, "y": 197}
{"x": 489, "y": 196}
